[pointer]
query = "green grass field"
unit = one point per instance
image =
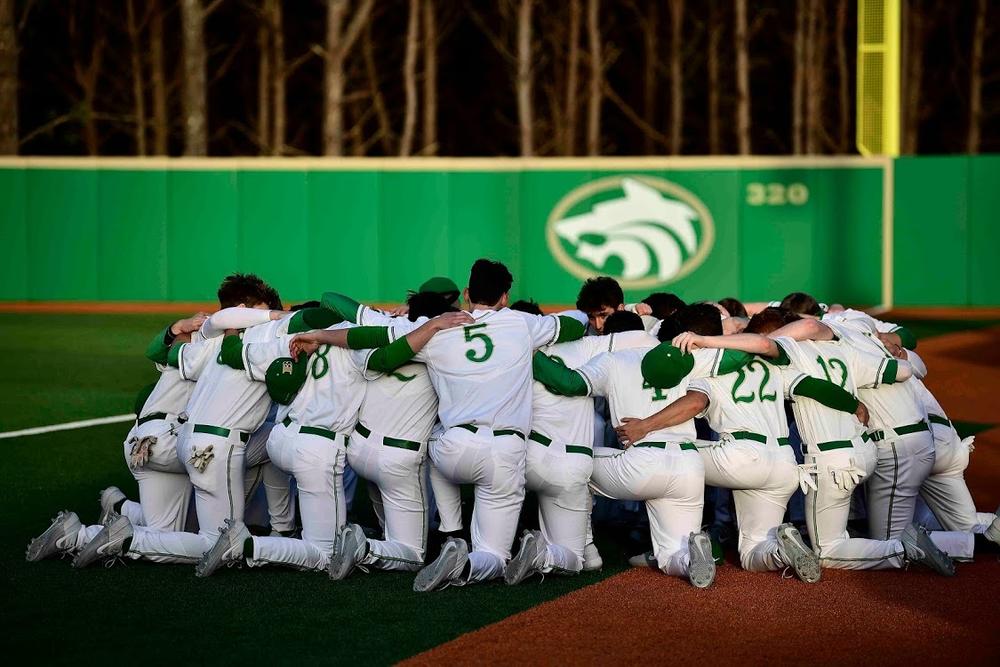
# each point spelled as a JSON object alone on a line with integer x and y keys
{"x": 68, "y": 367}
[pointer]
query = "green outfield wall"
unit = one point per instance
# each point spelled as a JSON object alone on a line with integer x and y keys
{"x": 150, "y": 231}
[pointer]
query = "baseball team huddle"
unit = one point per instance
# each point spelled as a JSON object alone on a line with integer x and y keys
{"x": 646, "y": 403}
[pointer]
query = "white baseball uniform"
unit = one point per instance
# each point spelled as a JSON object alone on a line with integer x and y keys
{"x": 752, "y": 457}
{"x": 482, "y": 375}
{"x": 663, "y": 469}
{"x": 559, "y": 457}
{"x": 310, "y": 442}
{"x": 839, "y": 448}
{"x": 389, "y": 449}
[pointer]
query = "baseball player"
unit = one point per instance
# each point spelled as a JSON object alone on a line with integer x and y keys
{"x": 389, "y": 449}
{"x": 753, "y": 456}
{"x": 311, "y": 439}
{"x": 838, "y": 450}
{"x": 662, "y": 469}
{"x": 482, "y": 375}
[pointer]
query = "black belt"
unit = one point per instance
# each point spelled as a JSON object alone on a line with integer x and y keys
{"x": 915, "y": 427}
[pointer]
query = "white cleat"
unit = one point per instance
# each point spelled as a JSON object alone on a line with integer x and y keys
{"x": 993, "y": 531}
{"x": 227, "y": 550}
{"x": 108, "y": 543}
{"x": 592, "y": 560}
{"x": 701, "y": 569}
{"x": 349, "y": 549}
{"x": 445, "y": 569}
{"x": 530, "y": 558}
{"x": 796, "y": 554}
{"x": 64, "y": 526}
{"x": 644, "y": 559}
{"x": 919, "y": 548}
{"x": 110, "y": 497}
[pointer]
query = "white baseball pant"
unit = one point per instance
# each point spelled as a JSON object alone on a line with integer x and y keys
{"x": 316, "y": 458}
{"x": 396, "y": 468}
{"x": 164, "y": 485}
{"x": 558, "y": 473}
{"x": 670, "y": 479}
{"x": 829, "y": 505}
{"x": 494, "y": 463}
{"x": 904, "y": 462}
{"x": 763, "y": 477}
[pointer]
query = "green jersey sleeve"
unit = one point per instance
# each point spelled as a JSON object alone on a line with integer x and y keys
{"x": 556, "y": 377}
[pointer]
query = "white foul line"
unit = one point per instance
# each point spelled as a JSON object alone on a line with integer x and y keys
{"x": 116, "y": 419}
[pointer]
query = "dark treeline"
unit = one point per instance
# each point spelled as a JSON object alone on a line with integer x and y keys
{"x": 453, "y": 77}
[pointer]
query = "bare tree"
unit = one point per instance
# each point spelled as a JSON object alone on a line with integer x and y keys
{"x": 571, "y": 103}
{"x": 742, "y": 78}
{"x": 385, "y": 133}
{"x": 712, "y": 63}
{"x": 525, "y": 108}
{"x": 596, "y": 76}
{"x": 279, "y": 75}
{"x": 8, "y": 79}
{"x": 976, "y": 78}
{"x": 676, "y": 76}
{"x": 430, "y": 79}
{"x": 812, "y": 76}
{"x": 195, "y": 87}
{"x": 138, "y": 84}
{"x": 843, "y": 80}
{"x": 410, "y": 78}
{"x": 649, "y": 23}
{"x": 264, "y": 78}
{"x": 339, "y": 41}
{"x": 86, "y": 73}
{"x": 798, "y": 74}
{"x": 914, "y": 32}
{"x": 158, "y": 79}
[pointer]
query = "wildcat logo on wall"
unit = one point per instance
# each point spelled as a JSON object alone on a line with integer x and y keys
{"x": 644, "y": 231}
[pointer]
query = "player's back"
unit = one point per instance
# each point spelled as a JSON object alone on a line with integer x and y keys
{"x": 224, "y": 396}
{"x": 482, "y": 372}
{"x": 401, "y": 404}
{"x": 750, "y": 400}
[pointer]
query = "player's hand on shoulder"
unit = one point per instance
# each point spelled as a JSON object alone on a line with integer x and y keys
{"x": 451, "y": 320}
{"x": 302, "y": 344}
{"x": 400, "y": 311}
{"x": 687, "y": 342}
{"x": 189, "y": 324}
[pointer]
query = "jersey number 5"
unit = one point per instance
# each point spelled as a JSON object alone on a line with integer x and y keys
{"x": 487, "y": 342}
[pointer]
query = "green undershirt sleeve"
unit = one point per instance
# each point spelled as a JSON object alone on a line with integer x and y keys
{"x": 906, "y": 337}
{"x": 344, "y": 306}
{"x": 569, "y": 329}
{"x": 364, "y": 338}
{"x": 733, "y": 360}
{"x": 157, "y": 349}
{"x": 890, "y": 372}
{"x": 826, "y": 393}
{"x": 174, "y": 355}
{"x": 389, "y": 358}
{"x": 782, "y": 358}
{"x": 308, "y": 319}
{"x": 231, "y": 353}
{"x": 556, "y": 377}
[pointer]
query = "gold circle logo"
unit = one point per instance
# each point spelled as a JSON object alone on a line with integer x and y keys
{"x": 656, "y": 231}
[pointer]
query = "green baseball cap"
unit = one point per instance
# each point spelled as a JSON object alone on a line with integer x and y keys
{"x": 442, "y": 285}
{"x": 665, "y": 366}
{"x": 285, "y": 377}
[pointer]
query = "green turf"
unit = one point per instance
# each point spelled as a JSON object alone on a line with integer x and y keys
{"x": 61, "y": 368}
{"x": 927, "y": 328}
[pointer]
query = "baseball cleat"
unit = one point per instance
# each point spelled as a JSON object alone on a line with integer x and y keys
{"x": 108, "y": 543}
{"x": 993, "y": 531}
{"x": 349, "y": 548}
{"x": 592, "y": 560}
{"x": 701, "y": 568}
{"x": 446, "y": 567}
{"x": 919, "y": 548}
{"x": 227, "y": 550}
{"x": 63, "y": 530}
{"x": 110, "y": 497}
{"x": 530, "y": 558}
{"x": 643, "y": 560}
{"x": 797, "y": 555}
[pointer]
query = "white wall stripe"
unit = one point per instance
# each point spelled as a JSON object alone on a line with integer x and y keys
{"x": 67, "y": 426}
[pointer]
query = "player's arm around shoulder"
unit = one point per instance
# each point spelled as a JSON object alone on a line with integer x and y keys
{"x": 390, "y": 357}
